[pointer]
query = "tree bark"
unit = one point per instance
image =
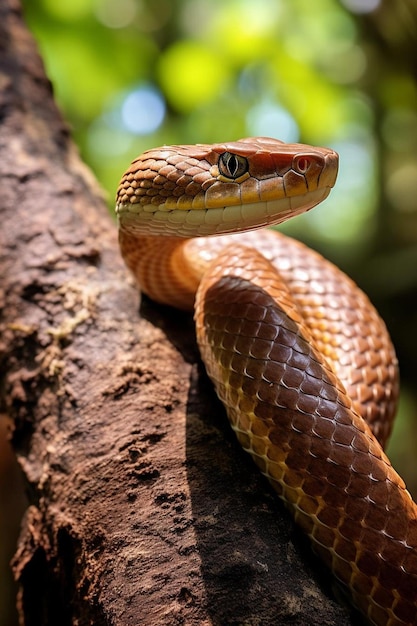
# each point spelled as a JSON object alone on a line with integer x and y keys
{"x": 143, "y": 509}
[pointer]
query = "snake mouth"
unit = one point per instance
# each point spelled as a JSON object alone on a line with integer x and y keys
{"x": 158, "y": 220}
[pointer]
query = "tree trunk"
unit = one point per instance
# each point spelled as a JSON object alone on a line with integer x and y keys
{"x": 143, "y": 509}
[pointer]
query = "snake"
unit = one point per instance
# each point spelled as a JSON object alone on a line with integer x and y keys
{"x": 300, "y": 358}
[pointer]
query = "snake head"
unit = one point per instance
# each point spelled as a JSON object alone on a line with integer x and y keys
{"x": 203, "y": 189}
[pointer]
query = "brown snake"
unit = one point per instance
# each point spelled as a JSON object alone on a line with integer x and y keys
{"x": 298, "y": 355}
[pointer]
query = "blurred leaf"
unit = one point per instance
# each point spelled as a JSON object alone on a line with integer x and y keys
{"x": 191, "y": 74}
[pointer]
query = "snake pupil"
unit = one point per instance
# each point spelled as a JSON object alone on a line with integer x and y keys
{"x": 232, "y": 165}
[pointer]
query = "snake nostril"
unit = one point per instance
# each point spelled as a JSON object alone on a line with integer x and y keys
{"x": 302, "y": 164}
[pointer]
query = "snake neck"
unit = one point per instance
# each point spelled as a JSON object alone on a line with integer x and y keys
{"x": 162, "y": 267}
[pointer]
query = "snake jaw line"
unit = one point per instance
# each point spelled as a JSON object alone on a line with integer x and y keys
{"x": 166, "y": 221}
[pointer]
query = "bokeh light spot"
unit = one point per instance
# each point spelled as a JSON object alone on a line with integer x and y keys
{"x": 399, "y": 128}
{"x": 143, "y": 111}
{"x": 192, "y": 74}
{"x": 361, "y": 6}
{"x": 402, "y": 188}
{"x": 268, "y": 119}
{"x": 116, "y": 14}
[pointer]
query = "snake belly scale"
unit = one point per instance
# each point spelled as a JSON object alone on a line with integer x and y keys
{"x": 297, "y": 353}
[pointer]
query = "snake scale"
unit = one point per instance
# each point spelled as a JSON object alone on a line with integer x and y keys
{"x": 296, "y": 352}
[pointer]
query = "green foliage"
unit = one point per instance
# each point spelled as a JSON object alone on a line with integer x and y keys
{"x": 224, "y": 70}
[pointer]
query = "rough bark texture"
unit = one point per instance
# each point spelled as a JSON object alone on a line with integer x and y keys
{"x": 143, "y": 508}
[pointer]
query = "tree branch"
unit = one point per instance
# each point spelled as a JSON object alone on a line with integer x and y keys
{"x": 143, "y": 508}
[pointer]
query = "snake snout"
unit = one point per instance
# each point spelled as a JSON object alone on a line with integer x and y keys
{"x": 318, "y": 169}
{"x": 329, "y": 173}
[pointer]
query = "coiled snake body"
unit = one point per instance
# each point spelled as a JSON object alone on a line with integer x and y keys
{"x": 297, "y": 354}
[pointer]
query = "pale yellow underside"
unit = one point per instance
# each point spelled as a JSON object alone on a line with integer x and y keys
{"x": 201, "y": 222}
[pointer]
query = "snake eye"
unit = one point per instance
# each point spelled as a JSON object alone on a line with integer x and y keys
{"x": 232, "y": 165}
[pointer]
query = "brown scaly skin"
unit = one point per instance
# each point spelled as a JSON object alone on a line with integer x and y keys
{"x": 189, "y": 175}
{"x": 300, "y": 359}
